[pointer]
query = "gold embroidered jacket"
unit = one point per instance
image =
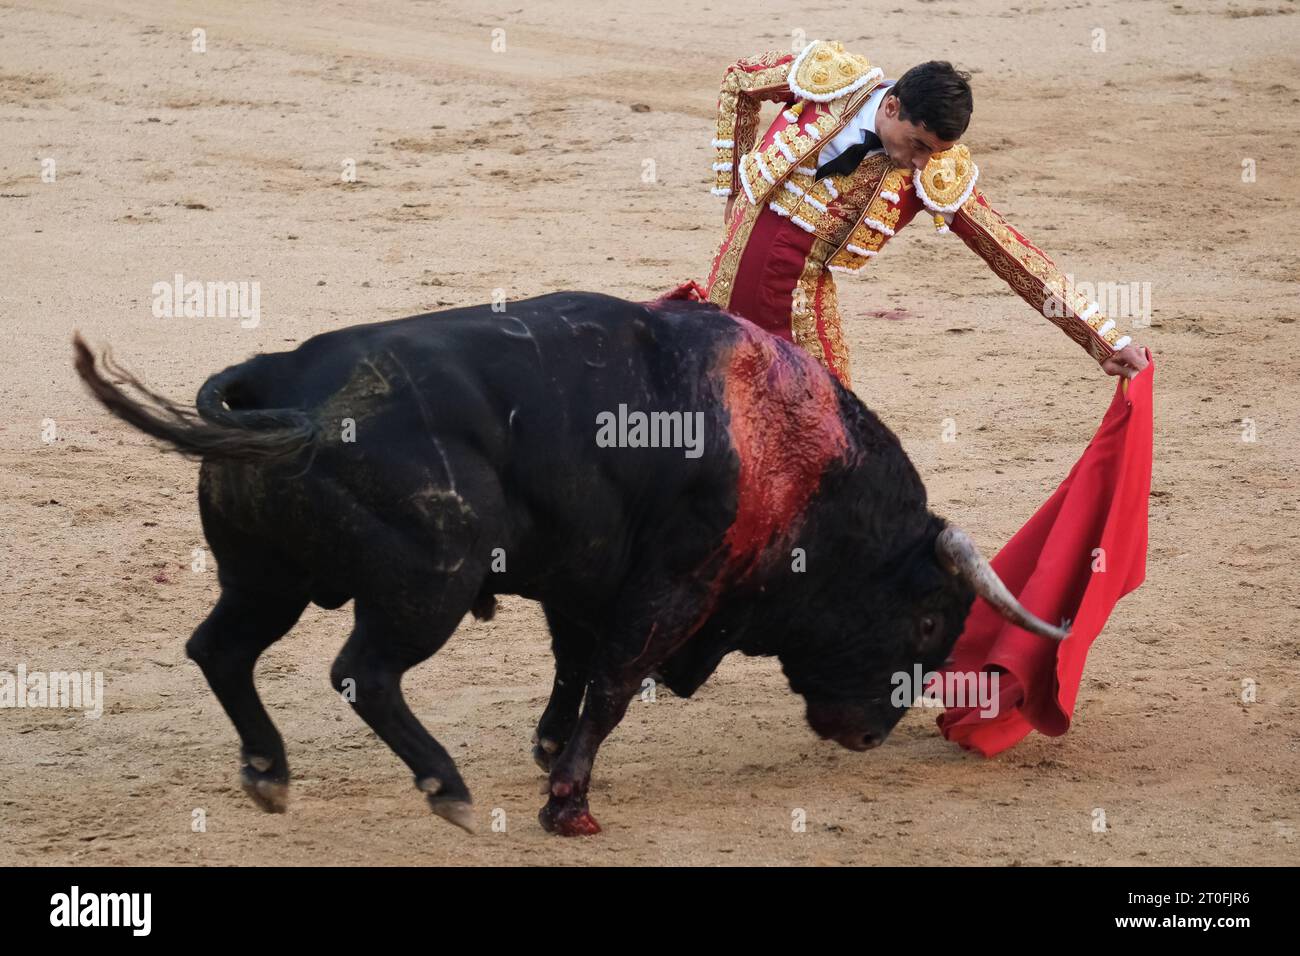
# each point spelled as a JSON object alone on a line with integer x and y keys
{"x": 854, "y": 215}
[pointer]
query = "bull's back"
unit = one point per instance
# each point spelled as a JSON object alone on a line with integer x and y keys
{"x": 410, "y": 410}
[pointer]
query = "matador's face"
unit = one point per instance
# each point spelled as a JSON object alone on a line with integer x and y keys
{"x": 909, "y": 145}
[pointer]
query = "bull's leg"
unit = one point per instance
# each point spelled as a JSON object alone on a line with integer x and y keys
{"x": 226, "y": 647}
{"x": 368, "y": 672}
{"x": 645, "y": 635}
{"x": 608, "y": 694}
{"x": 573, "y": 646}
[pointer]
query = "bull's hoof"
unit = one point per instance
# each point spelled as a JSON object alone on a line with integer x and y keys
{"x": 568, "y": 821}
{"x": 451, "y": 806}
{"x": 270, "y": 791}
{"x": 566, "y": 813}
{"x": 545, "y": 753}
{"x": 459, "y": 812}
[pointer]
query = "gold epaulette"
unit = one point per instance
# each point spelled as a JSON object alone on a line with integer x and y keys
{"x": 947, "y": 180}
{"x": 825, "y": 71}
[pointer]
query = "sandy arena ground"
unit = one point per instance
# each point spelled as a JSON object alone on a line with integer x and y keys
{"x": 523, "y": 170}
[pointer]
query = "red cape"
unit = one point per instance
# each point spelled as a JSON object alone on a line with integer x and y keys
{"x": 1049, "y": 566}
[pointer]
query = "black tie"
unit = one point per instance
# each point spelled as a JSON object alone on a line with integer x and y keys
{"x": 848, "y": 160}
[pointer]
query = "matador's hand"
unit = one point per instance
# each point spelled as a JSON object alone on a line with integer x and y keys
{"x": 1128, "y": 361}
{"x": 731, "y": 201}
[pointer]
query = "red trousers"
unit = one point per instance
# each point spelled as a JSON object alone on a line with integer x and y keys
{"x": 780, "y": 283}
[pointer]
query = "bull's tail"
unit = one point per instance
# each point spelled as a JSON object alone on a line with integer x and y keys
{"x": 210, "y": 429}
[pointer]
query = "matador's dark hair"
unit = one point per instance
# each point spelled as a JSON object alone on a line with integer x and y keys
{"x": 937, "y": 96}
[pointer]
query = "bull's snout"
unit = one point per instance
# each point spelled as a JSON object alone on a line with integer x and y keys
{"x": 845, "y": 724}
{"x": 858, "y": 741}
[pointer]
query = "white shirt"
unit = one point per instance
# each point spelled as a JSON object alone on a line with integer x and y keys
{"x": 851, "y": 134}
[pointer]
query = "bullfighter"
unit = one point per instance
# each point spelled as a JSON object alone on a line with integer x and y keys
{"x": 850, "y": 160}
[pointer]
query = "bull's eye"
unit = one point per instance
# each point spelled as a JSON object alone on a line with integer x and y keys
{"x": 929, "y": 626}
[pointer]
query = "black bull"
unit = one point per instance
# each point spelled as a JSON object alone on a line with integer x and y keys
{"x": 420, "y": 467}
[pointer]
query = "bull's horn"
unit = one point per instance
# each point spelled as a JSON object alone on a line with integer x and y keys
{"x": 957, "y": 552}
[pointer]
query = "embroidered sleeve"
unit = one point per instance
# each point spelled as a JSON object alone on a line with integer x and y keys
{"x": 947, "y": 188}
{"x": 1035, "y": 278}
{"x": 745, "y": 86}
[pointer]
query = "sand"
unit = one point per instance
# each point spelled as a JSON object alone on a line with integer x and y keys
{"x": 529, "y": 170}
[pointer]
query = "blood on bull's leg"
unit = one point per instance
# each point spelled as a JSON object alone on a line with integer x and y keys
{"x": 226, "y": 647}
{"x": 566, "y": 811}
{"x": 650, "y": 628}
{"x": 572, "y": 645}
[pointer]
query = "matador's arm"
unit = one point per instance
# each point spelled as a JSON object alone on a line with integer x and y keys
{"x": 745, "y": 86}
{"x": 947, "y": 188}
